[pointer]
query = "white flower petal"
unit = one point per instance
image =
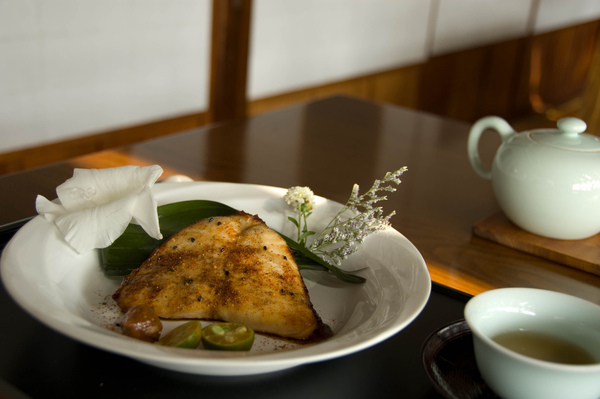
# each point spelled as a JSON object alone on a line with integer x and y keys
{"x": 96, "y": 227}
{"x": 145, "y": 213}
{"x": 92, "y": 187}
{"x": 95, "y": 206}
{"x": 48, "y": 209}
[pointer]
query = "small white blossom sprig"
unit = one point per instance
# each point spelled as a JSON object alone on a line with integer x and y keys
{"x": 365, "y": 219}
{"x": 358, "y": 219}
{"x": 303, "y": 199}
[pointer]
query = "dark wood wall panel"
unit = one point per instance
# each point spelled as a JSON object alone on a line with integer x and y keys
{"x": 500, "y": 79}
{"x": 229, "y": 59}
{"x": 15, "y": 161}
{"x": 563, "y": 62}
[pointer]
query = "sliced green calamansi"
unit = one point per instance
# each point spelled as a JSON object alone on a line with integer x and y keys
{"x": 187, "y": 335}
{"x": 228, "y": 337}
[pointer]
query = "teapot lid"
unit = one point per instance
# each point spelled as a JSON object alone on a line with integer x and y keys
{"x": 569, "y": 136}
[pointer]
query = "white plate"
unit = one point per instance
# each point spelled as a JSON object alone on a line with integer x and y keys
{"x": 69, "y": 292}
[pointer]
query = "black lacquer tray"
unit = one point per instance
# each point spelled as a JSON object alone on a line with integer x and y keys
{"x": 449, "y": 362}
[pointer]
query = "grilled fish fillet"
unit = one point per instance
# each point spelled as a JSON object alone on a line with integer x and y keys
{"x": 231, "y": 268}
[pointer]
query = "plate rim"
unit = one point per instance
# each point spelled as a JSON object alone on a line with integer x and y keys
{"x": 269, "y": 361}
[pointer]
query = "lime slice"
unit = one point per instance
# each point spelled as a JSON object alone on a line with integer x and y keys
{"x": 227, "y": 337}
{"x": 187, "y": 335}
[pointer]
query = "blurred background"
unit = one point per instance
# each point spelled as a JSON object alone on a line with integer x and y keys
{"x": 78, "y": 76}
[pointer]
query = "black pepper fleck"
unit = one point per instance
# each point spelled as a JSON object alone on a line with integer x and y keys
{"x": 222, "y": 249}
{"x": 283, "y": 291}
{"x": 265, "y": 247}
{"x": 200, "y": 299}
{"x": 227, "y": 272}
{"x": 192, "y": 239}
{"x": 284, "y": 257}
{"x": 174, "y": 246}
{"x": 210, "y": 220}
{"x": 218, "y": 223}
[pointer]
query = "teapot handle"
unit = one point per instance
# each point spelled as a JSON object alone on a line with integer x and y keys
{"x": 488, "y": 122}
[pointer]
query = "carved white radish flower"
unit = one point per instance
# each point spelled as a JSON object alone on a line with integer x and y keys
{"x": 95, "y": 206}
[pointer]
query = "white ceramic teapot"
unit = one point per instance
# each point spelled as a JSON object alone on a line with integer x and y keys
{"x": 547, "y": 181}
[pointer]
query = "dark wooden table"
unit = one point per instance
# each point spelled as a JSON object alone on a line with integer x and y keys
{"x": 328, "y": 145}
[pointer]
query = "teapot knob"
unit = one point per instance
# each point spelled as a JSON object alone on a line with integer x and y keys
{"x": 571, "y": 126}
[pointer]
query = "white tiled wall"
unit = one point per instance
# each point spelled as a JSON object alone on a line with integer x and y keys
{"x": 295, "y": 44}
{"x": 462, "y": 24}
{"x": 76, "y": 67}
{"x": 556, "y": 14}
{"x": 298, "y": 44}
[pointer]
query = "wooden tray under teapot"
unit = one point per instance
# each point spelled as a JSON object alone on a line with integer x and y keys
{"x": 579, "y": 254}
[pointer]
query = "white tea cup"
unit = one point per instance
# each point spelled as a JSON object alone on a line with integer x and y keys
{"x": 523, "y": 314}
